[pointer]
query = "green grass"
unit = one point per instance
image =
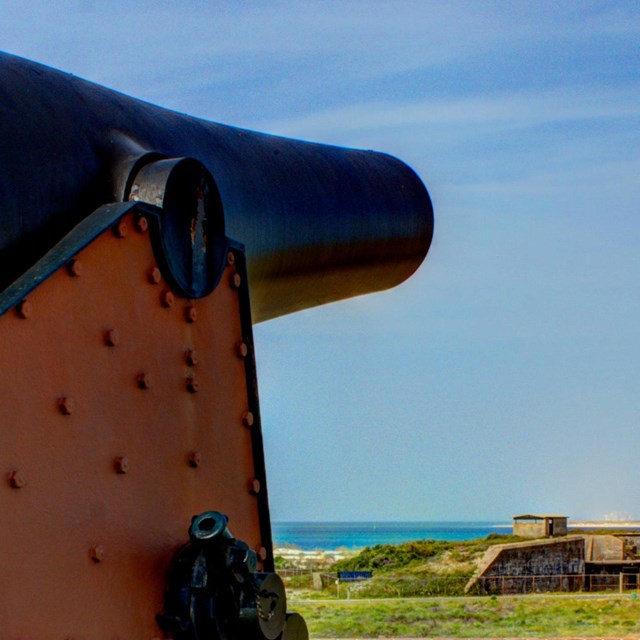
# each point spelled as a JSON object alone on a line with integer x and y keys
{"x": 497, "y": 617}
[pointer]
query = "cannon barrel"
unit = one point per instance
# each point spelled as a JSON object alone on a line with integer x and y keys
{"x": 319, "y": 223}
{"x": 129, "y": 395}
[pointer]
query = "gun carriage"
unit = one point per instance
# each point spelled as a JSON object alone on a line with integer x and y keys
{"x": 137, "y": 248}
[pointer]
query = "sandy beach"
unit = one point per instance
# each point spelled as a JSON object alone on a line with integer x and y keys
{"x": 604, "y": 524}
{"x": 293, "y": 558}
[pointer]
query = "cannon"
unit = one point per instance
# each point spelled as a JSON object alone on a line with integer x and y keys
{"x": 137, "y": 248}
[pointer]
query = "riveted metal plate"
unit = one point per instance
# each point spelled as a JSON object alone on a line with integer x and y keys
{"x": 89, "y": 544}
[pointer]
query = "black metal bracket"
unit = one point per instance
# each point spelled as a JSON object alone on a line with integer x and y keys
{"x": 77, "y": 239}
{"x": 215, "y": 592}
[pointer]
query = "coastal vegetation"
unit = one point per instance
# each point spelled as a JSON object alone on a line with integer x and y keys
{"x": 411, "y": 569}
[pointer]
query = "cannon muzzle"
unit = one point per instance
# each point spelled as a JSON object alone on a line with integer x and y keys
{"x": 319, "y": 223}
{"x": 127, "y": 410}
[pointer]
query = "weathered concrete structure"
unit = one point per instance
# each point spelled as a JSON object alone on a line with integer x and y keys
{"x": 522, "y": 567}
{"x": 539, "y": 526}
{"x": 572, "y": 563}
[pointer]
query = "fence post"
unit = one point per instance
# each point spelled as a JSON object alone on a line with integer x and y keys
{"x": 621, "y": 582}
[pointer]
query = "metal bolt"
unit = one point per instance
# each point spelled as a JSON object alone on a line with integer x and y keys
{"x": 16, "y": 479}
{"x": 97, "y": 553}
{"x": 74, "y": 268}
{"x": 121, "y": 464}
{"x": 191, "y": 358}
{"x": 193, "y": 386}
{"x": 120, "y": 229}
{"x": 154, "y": 276}
{"x": 142, "y": 224}
{"x": 236, "y": 280}
{"x": 24, "y": 309}
{"x": 143, "y": 380}
{"x": 231, "y": 258}
{"x": 242, "y": 349}
{"x": 190, "y": 313}
{"x": 195, "y": 459}
{"x": 66, "y": 405}
{"x": 111, "y": 337}
{"x": 254, "y": 486}
{"x": 248, "y": 419}
{"x": 167, "y": 299}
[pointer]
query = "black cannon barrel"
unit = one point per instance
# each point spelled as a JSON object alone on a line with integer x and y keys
{"x": 319, "y": 223}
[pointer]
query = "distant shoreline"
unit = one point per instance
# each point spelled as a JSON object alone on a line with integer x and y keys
{"x": 345, "y": 537}
{"x": 603, "y": 524}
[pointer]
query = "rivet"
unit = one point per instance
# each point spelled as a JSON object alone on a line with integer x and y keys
{"x": 254, "y": 486}
{"x": 74, "y": 268}
{"x": 16, "y": 479}
{"x": 193, "y": 386}
{"x": 190, "y": 313}
{"x": 242, "y": 349}
{"x": 167, "y": 299}
{"x": 97, "y": 553}
{"x": 191, "y": 358}
{"x": 195, "y": 459}
{"x": 231, "y": 258}
{"x": 66, "y": 405}
{"x": 236, "y": 280}
{"x": 154, "y": 276}
{"x": 120, "y": 229}
{"x": 142, "y": 224}
{"x": 111, "y": 337}
{"x": 248, "y": 419}
{"x": 24, "y": 309}
{"x": 262, "y": 553}
{"x": 143, "y": 380}
{"x": 121, "y": 464}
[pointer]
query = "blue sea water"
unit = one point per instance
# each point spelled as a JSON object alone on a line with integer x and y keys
{"x": 355, "y": 535}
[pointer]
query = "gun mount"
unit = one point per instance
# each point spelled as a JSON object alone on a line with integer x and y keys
{"x": 138, "y": 245}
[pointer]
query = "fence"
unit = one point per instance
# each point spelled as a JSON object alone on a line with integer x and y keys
{"x": 503, "y": 585}
{"x": 408, "y": 587}
{"x": 438, "y": 585}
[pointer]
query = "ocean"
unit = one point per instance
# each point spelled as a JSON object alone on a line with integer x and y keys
{"x": 355, "y": 535}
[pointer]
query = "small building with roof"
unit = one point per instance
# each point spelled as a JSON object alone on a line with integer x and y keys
{"x": 539, "y": 526}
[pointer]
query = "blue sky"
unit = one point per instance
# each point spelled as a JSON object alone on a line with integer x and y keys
{"x": 504, "y": 376}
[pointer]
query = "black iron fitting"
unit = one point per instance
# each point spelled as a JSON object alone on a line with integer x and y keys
{"x": 215, "y": 591}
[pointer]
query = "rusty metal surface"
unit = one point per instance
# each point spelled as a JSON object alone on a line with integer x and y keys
{"x": 320, "y": 223}
{"x": 123, "y": 416}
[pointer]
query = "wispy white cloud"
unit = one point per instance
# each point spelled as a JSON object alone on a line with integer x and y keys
{"x": 508, "y": 111}
{"x": 163, "y": 50}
